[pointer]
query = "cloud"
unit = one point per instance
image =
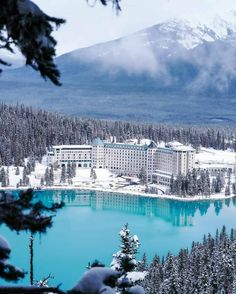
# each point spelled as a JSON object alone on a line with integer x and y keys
{"x": 133, "y": 56}
{"x": 217, "y": 66}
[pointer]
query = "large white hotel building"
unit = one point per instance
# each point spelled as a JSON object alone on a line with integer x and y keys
{"x": 129, "y": 158}
{"x": 172, "y": 159}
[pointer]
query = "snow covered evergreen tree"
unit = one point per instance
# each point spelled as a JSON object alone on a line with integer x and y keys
{"x": 143, "y": 176}
{"x": 227, "y": 190}
{"x": 234, "y": 188}
{"x": 51, "y": 176}
{"x": 48, "y": 176}
{"x": 121, "y": 278}
{"x": 63, "y": 174}
{"x": 17, "y": 171}
{"x": 219, "y": 182}
{"x": 208, "y": 267}
{"x": 3, "y": 177}
{"x": 93, "y": 174}
{"x": 124, "y": 261}
{"x": 142, "y": 264}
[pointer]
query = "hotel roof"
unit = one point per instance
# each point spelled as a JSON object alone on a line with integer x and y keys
{"x": 98, "y": 142}
{"x": 72, "y": 146}
{"x": 130, "y": 144}
{"x": 175, "y": 146}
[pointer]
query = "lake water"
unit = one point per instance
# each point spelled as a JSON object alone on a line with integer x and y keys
{"x": 87, "y": 229}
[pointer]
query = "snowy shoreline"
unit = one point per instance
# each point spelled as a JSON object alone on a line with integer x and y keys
{"x": 127, "y": 192}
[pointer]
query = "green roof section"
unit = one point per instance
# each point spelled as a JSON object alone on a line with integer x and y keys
{"x": 98, "y": 142}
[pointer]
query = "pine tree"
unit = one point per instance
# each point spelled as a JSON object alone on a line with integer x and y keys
{"x": 93, "y": 174}
{"x": 69, "y": 172}
{"x": 51, "y": 176}
{"x": 28, "y": 168}
{"x": 170, "y": 276}
{"x": 142, "y": 264}
{"x": 73, "y": 170}
{"x": 24, "y": 177}
{"x": 153, "y": 279}
{"x": 227, "y": 190}
{"x": 46, "y": 177}
{"x": 17, "y": 171}
{"x": 7, "y": 177}
{"x": 219, "y": 183}
{"x": 234, "y": 188}
{"x": 3, "y": 177}
{"x": 178, "y": 185}
{"x": 124, "y": 261}
{"x": 172, "y": 184}
{"x": 143, "y": 176}
{"x": 42, "y": 182}
{"x": 63, "y": 174}
{"x": 213, "y": 186}
{"x": 20, "y": 184}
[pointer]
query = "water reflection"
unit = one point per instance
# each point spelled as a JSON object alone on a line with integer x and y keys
{"x": 178, "y": 213}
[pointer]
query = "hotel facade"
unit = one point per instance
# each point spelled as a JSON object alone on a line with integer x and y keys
{"x": 129, "y": 158}
{"x": 172, "y": 159}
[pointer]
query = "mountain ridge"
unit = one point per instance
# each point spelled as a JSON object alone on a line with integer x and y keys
{"x": 150, "y": 75}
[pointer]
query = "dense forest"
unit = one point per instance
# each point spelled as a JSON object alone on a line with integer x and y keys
{"x": 207, "y": 267}
{"x": 199, "y": 182}
{"x": 26, "y": 132}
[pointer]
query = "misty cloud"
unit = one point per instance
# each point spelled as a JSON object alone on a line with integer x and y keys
{"x": 160, "y": 54}
{"x": 216, "y": 64}
{"x": 134, "y": 56}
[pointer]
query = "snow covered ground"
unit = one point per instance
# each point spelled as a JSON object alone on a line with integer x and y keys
{"x": 212, "y": 156}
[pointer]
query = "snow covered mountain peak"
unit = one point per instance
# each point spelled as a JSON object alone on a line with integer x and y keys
{"x": 190, "y": 34}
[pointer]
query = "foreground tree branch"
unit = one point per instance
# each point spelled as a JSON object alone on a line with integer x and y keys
{"x": 25, "y": 26}
{"x": 30, "y": 289}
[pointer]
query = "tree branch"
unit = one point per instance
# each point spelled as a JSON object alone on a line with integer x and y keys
{"x": 29, "y": 289}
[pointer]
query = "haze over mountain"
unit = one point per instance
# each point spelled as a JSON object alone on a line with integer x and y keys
{"x": 165, "y": 73}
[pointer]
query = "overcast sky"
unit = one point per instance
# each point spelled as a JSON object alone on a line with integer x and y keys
{"x": 90, "y": 25}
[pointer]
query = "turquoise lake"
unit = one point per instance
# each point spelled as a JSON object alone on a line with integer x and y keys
{"x": 87, "y": 229}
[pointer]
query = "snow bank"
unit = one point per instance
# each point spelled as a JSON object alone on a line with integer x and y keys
{"x": 93, "y": 281}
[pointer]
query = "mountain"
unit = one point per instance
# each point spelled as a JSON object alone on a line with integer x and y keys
{"x": 172, "y": 72}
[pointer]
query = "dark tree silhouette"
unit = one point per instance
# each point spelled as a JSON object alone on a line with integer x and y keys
{"x": 23, "y": 25}
{"x": 22, "y": 213}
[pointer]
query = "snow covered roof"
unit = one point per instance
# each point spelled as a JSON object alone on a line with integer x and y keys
{"x": 72, "y": 147}
{"x": 175, "y": 146}
{"x": 162, "y": 173}
{"x": 138, "y": 142}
